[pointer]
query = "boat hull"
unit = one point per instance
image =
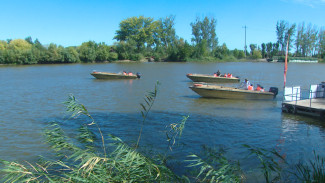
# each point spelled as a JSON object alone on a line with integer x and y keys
{"x": 106, "y": 75}
{"x": 231, "y": 93}
{"x": 211, "y": 79}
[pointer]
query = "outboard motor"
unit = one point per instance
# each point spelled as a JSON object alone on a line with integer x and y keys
{"x": 274, "y": 90}
{"x": 138, "y": 75}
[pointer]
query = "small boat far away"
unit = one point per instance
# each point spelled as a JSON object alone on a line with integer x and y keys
{"x": 222, "y": 92}
{"x": 212, "y": 78}
{"x": 107, "y": 75}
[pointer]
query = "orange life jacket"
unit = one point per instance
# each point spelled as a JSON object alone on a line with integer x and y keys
{"x": 258, "y": 88}
{"x": 250, "y": 88}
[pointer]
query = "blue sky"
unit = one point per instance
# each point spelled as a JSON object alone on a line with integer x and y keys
{"x": 71, "y": 22}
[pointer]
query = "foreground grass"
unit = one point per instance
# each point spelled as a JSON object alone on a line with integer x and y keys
{"x": 89, "y": 157}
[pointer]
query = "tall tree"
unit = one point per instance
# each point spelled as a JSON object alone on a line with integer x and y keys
{"x": 321, "y": 43}
{"x": 269, "y": 48}
{"x": 289, "y": 34}
{"x": 87, "y": 51}
{"x": 205, "y": 30}
{"x": 307, "y": 40}
{"x": 283, "y": 30}
{"x": 263, "y": 51}
{"x": 166, "y": 34}
{"x": 140, "y": 29}
{"x": 280, "y": 31}
{"x": 252, "y": 47}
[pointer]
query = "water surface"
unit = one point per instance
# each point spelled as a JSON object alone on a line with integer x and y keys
{"x": 32, "y": 96}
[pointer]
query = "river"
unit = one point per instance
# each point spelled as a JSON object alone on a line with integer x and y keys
{"x": 32, "y": 96}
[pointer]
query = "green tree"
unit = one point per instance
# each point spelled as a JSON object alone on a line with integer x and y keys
{"x": 321, "y": 43}
{"x": 263, "y": 51}
{"x": 269, "y": 48}
{"x": 280, "y": 32}
{"x": 102, "y": 52}
{"x": 275, "y": 49}
{"x": 19, "y": 44}
{"x": 205, "y": 30}
{"x": 256, "y": 54}
{"x": 112, "y": 56}
{"x": 252, "y": 47}
{"x": 307, "y": 40}
{"x": 71, "y": 55}
{"x": 29, "y": 40}
{"x": 140, "y": 29}
{"x": 3, "y": 45}
{"x": 283, "y": 30}
{"x": 166, "y": 34}
{"x": 126, "y": 49}
{"x": 87, "y": 51}
{"x": 239, "y": 54}
{"x": 54, "y": 54}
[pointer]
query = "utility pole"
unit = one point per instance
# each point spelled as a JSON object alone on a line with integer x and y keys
{"x": 245, "y": 41}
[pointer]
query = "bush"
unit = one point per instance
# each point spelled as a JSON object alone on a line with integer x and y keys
{"x": 112, "y": 56}
{"x": 136, "y": 57}
{"x": 257, "y": 54}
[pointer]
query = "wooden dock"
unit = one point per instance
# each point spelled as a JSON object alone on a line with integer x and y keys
{"x": 311, "y": 107}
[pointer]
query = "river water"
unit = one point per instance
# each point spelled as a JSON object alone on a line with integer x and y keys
{"x": 32, "y": 96}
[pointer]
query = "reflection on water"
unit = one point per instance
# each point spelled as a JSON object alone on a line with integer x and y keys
{"x": 32, "y": 96}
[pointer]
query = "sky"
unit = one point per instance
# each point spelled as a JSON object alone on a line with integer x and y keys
{"x": 72, "y": 22}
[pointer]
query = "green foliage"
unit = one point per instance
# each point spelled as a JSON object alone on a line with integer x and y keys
{"x": 112, "y": 56}
{"x": 239, "y": 54}
{"x": 102, "y": 52}
{"x": 136, "y": 57}
{"x": 87, "y": 51}
{"x": 215, "y": 167}
{"x": 205, "y": 30}
{"x": 71, "y": 55}
{"x": 19, "y": 44}
{"x": 204, "y": 37}
{"x": 270, "y": 166}
{"x": 312, "y": 172}
{"x": 140, "y": 29}
{"x": 256, "y": 54}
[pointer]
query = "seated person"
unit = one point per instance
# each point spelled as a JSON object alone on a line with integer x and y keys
{"x": 245, "y": 84}
{"x": 250, "y": 87}
{"x": 258, "y": 88}
{"x": 218, "y": 73}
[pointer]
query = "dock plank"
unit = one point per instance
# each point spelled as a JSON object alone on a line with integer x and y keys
{"x": 317, "y": 103}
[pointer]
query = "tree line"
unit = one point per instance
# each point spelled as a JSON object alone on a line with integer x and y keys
{"x": 307, "y": 40}
{"x": 143, "y": 38}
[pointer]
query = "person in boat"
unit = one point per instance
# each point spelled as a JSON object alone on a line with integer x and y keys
{"x": 245, "y": 84}
{"x": 215, "y": 75}
{"x": 130, "y": 74}
{"x": 218, "y": 73}
{"x": 229, "y": 75}
{"x": 124, "y": 73}
{"x": 258, "y": 88}
{"x": 262, "y": 89}
{"x": 250, "y": 87}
